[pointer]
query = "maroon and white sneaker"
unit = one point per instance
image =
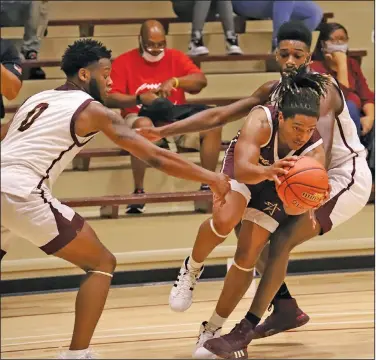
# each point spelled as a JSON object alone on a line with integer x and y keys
{"x": 233, "y": 345}
{"x": 286, "y": 315}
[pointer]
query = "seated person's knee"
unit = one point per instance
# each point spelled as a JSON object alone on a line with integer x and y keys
{"x": 142, "y": 122}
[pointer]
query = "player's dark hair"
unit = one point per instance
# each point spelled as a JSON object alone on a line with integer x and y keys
{"x": 326, "y": 30}
{"x": 294, "y": 30}
{"x": 299, "y": 92}
{"x": 81, "y": 54}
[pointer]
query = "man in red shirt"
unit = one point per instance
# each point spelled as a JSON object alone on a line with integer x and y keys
{"x": 140, "y": 76}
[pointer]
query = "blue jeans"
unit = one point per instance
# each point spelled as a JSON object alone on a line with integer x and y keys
{"x": 280, "y": 12}
{"x": 355, "y": 114}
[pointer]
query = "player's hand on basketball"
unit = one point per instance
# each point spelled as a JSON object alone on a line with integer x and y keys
{"x": 150, "y": 133}
{"x": 279, "y": 168}
{"x": 221, "y": 187}
{"x": 166, "y": 87}
{"x": 312, "y": 216}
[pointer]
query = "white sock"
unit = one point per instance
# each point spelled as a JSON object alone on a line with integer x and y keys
{"x": 216, "y": 321}
{"x": 193, "y": 265}
{"x": 75, "y": 354}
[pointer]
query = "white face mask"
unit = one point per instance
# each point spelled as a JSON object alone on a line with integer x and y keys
{"x": 149, "y": 57}
{"x": 331, "y": 48}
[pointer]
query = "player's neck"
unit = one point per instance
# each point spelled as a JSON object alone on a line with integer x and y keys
{"x": 74, "y": 84}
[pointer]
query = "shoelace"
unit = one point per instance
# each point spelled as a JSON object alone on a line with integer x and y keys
{"x": 205, "y": 332}
{"x": 232, "y": 41}
{"x": 233, "y": 334}
{"x": 197, "y": 42}
{"x": 186, "y": 282}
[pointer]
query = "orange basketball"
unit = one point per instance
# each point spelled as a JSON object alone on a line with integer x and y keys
{"x": 305, "y": 185}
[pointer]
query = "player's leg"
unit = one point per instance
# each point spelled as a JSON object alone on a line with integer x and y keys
{"x": 88, "y": 253}
{"x": 235, "y": 343}
{"x": 283, "y": 302}
{"x": 350, "y": 184}
{"x": 212, "y": 232}
{"x": 252, "y": 239}
{"x": 57, "y": 230}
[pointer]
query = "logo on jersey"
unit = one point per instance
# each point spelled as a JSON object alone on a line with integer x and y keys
{"x": 271, "y": 208}
{"x": 316, "y": 197}
{"x": 264, "y": 161}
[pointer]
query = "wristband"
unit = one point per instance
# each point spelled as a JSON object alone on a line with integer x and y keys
{"x": 138, "y": 100}
{"x": 176, "y": 82}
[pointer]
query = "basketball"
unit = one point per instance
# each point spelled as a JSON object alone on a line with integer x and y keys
{"x": 305, "y": 185}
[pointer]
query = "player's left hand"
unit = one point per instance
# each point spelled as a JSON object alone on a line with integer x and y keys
{"x": 312, "y": 211}
{"x": 312, "y": 216}
{"x": 166, "y": 87}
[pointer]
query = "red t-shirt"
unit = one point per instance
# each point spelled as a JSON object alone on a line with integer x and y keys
{"x": 132, "y": 74}
{"x": 358, "y": 91}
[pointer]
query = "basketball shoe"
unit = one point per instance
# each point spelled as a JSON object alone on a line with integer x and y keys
{"x": 206, "y": 333}
{"x": 286, "y": 315}
{"x": 234, "y": 344}
{"x": 182, "y": 292}
{"x": 78, "y": 354}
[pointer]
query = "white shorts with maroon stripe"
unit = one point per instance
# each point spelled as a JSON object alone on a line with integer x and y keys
{"x": 39, "y": 218}
{"x": 351, "y": 185}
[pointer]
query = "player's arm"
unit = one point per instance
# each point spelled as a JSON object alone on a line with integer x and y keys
{"x": 211, "y": 118}
{"x": 255, "y": 133}
{"x": 5, "y": 128}
{"x": 11, "y": 71}
{"x": 99, "y": 118}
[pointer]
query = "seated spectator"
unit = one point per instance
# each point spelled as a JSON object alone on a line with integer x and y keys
{"x": 156, "y": 76}
{"x": 33, "y": 15}
{"x": 280, "y": 11}
{"x": 330, "y": 56}
{"x": 198, "y": 11}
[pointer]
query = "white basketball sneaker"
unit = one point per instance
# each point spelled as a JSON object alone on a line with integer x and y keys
{"x": 78, "y": 354}
{"x": 181, "y": 293}
{"x": 205, "y": 334}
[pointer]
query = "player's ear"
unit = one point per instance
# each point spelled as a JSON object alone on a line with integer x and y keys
{"x": 84, "y": 74}
{"x": 309, "y": 59}
{"x": 280, "y": 117}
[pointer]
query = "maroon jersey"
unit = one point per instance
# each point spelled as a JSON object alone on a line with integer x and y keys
{"x": 269, "y": 150}
{"x": 264, "y": 196}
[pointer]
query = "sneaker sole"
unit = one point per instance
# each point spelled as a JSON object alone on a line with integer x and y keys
{"x": 235, "y": 355}
{"x": 259, "y": 335}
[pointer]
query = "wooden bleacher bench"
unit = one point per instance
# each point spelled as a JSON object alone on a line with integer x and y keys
{"x": 198, "y": 60}
{"x": 149, "y": 198}
{"x": 81, "y": 162}
{"x": 87, "y": 25}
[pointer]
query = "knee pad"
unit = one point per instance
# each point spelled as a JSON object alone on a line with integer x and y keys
{"x": 215, "y": 231}
{"x": 241, "y": 268}
{"x": 100, "y": 272}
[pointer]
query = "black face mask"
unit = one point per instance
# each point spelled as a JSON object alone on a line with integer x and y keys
{"x": 94, "y": 90}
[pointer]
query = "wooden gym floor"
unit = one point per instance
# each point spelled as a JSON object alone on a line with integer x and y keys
{"x": 137, "y": 322}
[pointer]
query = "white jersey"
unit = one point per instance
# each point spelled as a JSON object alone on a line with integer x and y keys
{"x": 345, "y": 140}
{"x": 346, "y": 143}
{"x": 41, "y": 140}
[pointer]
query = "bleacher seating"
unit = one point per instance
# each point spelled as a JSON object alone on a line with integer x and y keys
{"x": 86, "y": 25}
